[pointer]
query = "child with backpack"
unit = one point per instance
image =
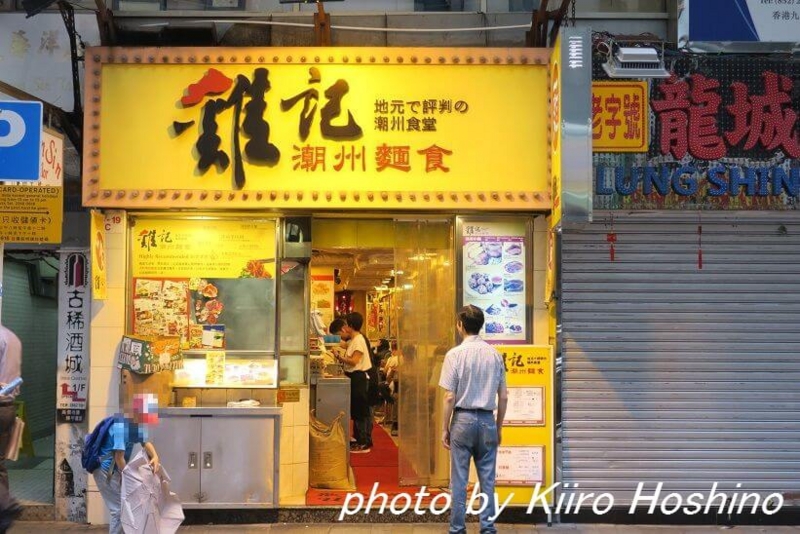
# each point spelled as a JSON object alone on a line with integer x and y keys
{"x": 108, "y": 449}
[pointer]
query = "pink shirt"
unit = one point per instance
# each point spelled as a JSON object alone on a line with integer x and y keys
{"x": 10, "y": 357}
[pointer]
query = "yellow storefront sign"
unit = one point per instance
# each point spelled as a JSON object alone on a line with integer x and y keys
{"x": 212, "y": 248}
{"x": 526, "y": 455}
{"x": 620, "y": 113}
{"x": 31, "y": 213}
{"x": 335, "y": 128}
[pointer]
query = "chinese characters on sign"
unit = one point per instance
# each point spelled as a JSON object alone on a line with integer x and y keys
{"x": 31, "y": 214}
{"x": 147, "y": 355}
{"x": 248, "y": 96}
{"x": 494, "y": 257}
{"x": 724, "y": 138}
{"x": 73, "y": 332}
{"x": 216, "y": 248}
{"x": 526, "y": 455}
{"x": 619, "y": 117}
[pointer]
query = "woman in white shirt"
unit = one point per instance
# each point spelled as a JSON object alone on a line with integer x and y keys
{"x": 356, "y": 362}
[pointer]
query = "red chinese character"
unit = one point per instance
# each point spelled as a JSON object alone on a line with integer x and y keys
{"x": 394, "y": 157}
{"x": 632, "y": 111}
{"x": 690, "y": 125}
{"x": 308, "y": 158}
{"x": 352, "y": 156}
{"x": 597, "y": 110}
{"x": 434, "y": 158}
{"x": 673, "y": 116}
{"x": 763, "y": 119}
{"x": 704, "y": 139}
{"x": 613, "y": 105}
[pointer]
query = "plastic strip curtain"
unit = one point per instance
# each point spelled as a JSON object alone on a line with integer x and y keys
{"x": 424, "y": 307}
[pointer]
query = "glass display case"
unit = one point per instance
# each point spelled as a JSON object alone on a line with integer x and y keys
{"x": 213, "y": 282}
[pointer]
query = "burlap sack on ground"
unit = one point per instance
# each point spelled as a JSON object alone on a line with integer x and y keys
{"x": 328, "y": 467}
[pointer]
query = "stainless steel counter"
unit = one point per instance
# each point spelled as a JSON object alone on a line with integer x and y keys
{"x": 263, "y": 411}
{"x": 221, "y": 457}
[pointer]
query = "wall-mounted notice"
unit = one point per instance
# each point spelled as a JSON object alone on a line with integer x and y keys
{"x": 520, "y": 466}
{"x": 525, "y": 406}
{"x": 494, "y": 274}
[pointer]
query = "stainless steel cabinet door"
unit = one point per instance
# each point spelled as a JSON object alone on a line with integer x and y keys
{"x": 238, "y": 461}
{"x": 177, "y": 441}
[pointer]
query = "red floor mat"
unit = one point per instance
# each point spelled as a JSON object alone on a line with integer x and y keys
{"x": 379, "y": 465}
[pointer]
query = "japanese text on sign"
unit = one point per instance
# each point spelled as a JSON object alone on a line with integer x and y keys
{"x": 239, "y": 127}
{"x": 247, "y": 97}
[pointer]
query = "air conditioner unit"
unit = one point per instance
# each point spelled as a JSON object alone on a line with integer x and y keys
{"x": 635, "y": 62}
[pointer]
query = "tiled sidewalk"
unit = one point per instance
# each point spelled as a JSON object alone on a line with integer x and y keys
{"x": 36, "y": 528}
{"x": 34, "y": 485}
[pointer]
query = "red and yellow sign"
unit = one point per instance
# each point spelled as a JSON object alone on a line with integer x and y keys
{"x": 620, "y": 115}
{"x": 212, "y": 248}
{"x": 326, "y": 128}
{"x": 527, "y": 454}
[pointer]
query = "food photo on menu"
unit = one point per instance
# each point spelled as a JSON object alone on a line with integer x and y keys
{"x": 494, "y": 280}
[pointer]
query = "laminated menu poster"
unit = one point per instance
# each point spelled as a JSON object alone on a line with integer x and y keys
{"x": 520, "y": 465}
{"x": 494, "y": 274}
{"x": 160, "y": 307}
{"x": 525, "y": 406}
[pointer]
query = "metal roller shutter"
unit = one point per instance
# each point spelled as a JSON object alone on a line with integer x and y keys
{"x": 678, "y": 374}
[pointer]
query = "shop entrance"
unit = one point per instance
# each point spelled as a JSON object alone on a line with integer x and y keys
{"x": 398, "y": 274}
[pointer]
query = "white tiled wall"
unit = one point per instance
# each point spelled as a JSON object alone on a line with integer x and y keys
{"x": 108, "y": 327}
{"x": 294, "y": 451}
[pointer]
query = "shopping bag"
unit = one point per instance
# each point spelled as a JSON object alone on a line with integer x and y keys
{"x": 15, "y": 440}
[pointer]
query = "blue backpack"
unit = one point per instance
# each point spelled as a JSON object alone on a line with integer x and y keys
{"x": 90, "y": 457}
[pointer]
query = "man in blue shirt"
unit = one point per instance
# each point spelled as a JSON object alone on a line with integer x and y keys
{"x": 116, "y": 449}
{"x": 475, "y": 379}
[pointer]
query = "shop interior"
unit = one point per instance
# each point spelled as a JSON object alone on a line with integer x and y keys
{"x": 398, "y": 275}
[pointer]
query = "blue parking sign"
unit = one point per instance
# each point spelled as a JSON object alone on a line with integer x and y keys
{"x": 20, "y": 140}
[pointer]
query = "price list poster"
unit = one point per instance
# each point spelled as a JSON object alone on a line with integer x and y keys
{"x": 526, "y": 456}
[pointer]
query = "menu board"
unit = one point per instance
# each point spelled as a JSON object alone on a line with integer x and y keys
{"x": 525, "y": 406}
{"x": 494, "y": 274}
{"x": 214, "y": 248}
{"x": 520, "y": 466}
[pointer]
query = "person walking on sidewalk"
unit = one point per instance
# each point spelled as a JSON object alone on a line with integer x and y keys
{"x": 10, "y": 370}
{"x": 474, "y": 377}
{"x": 115, "y": 452}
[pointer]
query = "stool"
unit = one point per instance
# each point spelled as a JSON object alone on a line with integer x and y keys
{"x": 27, "y": 441}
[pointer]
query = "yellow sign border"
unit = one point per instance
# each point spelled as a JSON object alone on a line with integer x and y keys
{"x": 95, "y": 195}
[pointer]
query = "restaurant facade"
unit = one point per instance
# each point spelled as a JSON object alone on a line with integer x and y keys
{"x": 218, "y": 174}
